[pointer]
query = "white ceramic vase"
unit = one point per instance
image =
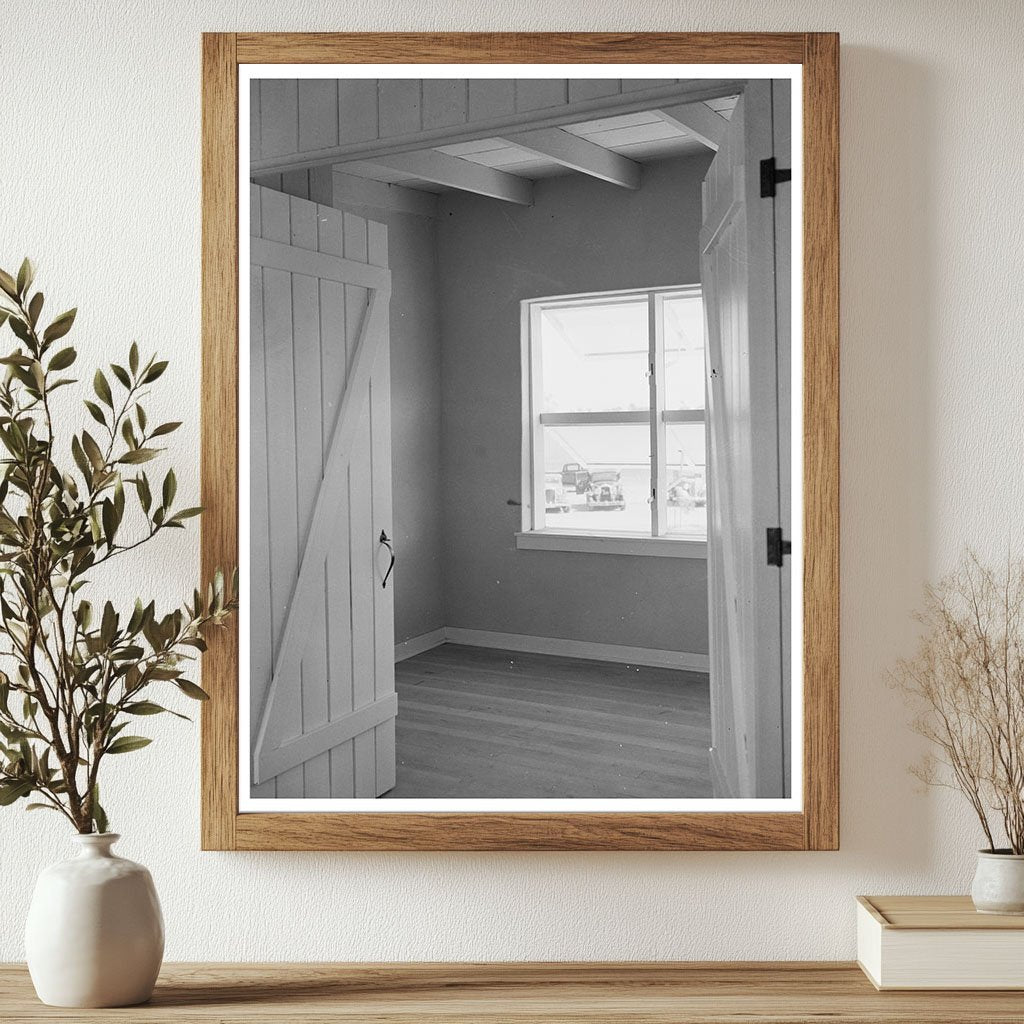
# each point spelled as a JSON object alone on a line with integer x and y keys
{"x": 95, "y": 934}
{"x": 999, "y": 883}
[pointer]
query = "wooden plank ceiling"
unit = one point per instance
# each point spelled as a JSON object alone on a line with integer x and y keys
{"x": 641, "y": 136}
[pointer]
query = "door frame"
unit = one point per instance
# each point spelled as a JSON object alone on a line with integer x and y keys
{"x": 816, "y": 825}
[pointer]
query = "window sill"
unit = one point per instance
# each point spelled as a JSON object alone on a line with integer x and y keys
{"x": 612, "y": 544}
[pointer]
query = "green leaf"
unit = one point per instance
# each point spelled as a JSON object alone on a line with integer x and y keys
{"x": 108, "y": 626}
{"x": 35, "y": 308}
{"x": 191, "y": 690}
{"x": 92, "y": 449}
{"x": 128, "y": 433}
{"x": 8, "y": 284}
{"x": 63, "y": 359}
{"x": 139, "y": 455}
{"x": 40, "y": 807}
{"x": 170, "y": 488}
{"x": 185, "y": 513}
{"x": 26, "y": 274}
{"x": 20, "y": 329}
{"x": 145, "y": 497}
{"x": 147, "y": 707}
{"x": 126, "y": 744}
{"x": 99, "y": 816}
{"x": 121, "y": 374}
{"x": 119, "y": 499}
{"x": 140, "y": 415}
{"x": 96, "y": 412}
{"x": 133, "y": 358}
{"x": 143, "y": 707}
{"x": 84, "y": 614}
{"x": 79, "y": 456}
{"x": 102, "y": 388}
{"x": 60, "y": 326}
{"x": 11, "y": 791}
{"x": 109, "y": 522}
{"x": 154, "y": 372}
{"x": 166, "y": 428}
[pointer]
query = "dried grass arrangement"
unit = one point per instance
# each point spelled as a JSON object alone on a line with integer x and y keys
{"x": 966, "y": 682}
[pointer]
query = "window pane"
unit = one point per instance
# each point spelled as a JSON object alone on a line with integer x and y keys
{"x": 686, "y": 456}
{"x": 597, "y": 479}
{"x": 684, "y": 353}
{"x": 595, "y": 357}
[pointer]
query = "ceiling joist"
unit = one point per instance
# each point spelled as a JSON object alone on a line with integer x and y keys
{"x": 578, "y": 154}
{"x": 698, "y": 120}
{"x": 450, "y": 171}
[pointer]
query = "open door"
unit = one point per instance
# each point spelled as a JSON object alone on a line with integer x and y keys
{"x": 322, "y": 621}
{"x": 745, "y": 277}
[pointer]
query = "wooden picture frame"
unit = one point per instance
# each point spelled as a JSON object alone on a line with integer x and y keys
{"x": 816, "y": 826}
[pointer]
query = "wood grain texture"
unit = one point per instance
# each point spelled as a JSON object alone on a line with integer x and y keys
{"x": 936, "y": 912}
{"x": 527, "y": 832}
{"x": 521, "y": 47}
{"x": 526, "y": 993}
{"x": 219, "y": 428}
{"x": 817, "y": 827}
{"x": 821, "y": 441}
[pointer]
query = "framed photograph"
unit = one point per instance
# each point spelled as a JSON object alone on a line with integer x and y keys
{"x": 520, "y": 419}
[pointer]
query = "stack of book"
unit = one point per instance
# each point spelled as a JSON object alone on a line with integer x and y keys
{"x": 938, "y": 942}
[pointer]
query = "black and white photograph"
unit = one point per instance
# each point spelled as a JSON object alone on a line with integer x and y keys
{"x": 517, "y": 467}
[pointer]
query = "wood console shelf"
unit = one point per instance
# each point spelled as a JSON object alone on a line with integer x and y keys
{"x": 793, "y": 993}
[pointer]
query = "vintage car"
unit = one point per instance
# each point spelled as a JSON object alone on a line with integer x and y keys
{"x": 688, "y": 491}
{"x": 554, "y": 495}
{"x": 576, "y": 476}
{"x": 604, "y": 491}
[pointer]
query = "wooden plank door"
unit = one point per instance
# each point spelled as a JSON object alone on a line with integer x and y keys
{"x": 322, "y": 678}
{"x": 738, "y": 272}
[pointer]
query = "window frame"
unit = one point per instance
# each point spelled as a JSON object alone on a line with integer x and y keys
{"x": 534, "y": 534}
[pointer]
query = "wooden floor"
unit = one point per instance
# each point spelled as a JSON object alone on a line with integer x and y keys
{"x": 474, "y": 722}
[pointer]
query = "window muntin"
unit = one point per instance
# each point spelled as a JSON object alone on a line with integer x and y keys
{"x": 614, "y": 434}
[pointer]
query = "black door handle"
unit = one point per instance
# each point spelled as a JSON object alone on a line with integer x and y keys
{"x": 387, "y": 543}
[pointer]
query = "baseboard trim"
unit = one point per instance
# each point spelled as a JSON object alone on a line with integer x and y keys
{"x": 419, "y": 644}
{"x": 577, "y": 649}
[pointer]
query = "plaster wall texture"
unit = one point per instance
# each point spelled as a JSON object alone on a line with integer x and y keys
{"x": 100, "y": 183}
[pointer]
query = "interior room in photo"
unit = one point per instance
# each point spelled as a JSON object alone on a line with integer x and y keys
{"x": 518, "y": 368}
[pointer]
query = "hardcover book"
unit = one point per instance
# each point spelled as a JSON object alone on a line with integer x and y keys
{"x": 938, "y": 942}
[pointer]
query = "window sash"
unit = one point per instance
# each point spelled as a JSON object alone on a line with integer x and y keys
{"x": 657, "y": 415}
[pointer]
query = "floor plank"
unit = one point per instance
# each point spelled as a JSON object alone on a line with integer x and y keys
{"x": 488, "y": 724}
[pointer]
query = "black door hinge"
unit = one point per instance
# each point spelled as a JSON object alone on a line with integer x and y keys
{"x": 771, "y": 176}
{"x": 777, "y": 547}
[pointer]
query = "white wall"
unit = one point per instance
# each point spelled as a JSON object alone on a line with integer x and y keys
{"x": 102, "y": 186}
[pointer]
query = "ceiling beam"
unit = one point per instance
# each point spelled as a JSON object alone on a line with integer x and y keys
{"x": 698, "y": 120}
{"x": 579, "y": 154}
{"x": 354, "y": 190}
{"x": 443, "y": 169}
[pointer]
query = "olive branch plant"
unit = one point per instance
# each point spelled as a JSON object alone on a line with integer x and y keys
{"x": 73, "y": 677}
{"x": 966, "y": 682}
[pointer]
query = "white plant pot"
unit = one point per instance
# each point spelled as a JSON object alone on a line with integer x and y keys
{"x": 999, "y": 883}
{"x": 95, "y": 934}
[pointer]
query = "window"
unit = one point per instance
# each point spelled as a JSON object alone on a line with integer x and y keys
{"x": 613, "y": 411}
